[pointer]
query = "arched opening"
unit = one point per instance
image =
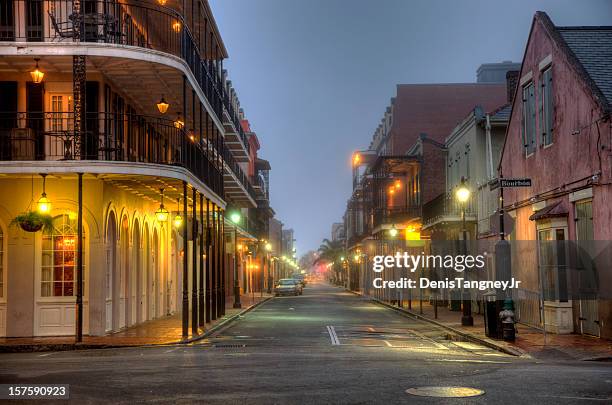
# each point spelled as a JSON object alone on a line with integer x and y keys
{"x": 56, "y": 280}
{"x": 124, "y": 308}
{"x": 136, "y": 275}
{"x": 146, "y": 274}
{"x": 173, "y": 280}
{"x": 155, "y": 276}
{"x": 3, "y": 283}
{"x": 112, "y": 279}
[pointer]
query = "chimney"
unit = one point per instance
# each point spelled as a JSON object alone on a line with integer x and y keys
{"x": 511, "y": 83}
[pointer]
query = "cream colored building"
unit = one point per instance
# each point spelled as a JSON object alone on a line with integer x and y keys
{"x": 136, "y": 266}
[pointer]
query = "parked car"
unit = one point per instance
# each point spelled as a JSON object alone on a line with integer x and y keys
{"x": 300, "y": 278}
{"x": 287, "y": 286}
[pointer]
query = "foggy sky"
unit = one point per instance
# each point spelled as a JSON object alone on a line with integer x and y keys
{"x": 315, "y": 76}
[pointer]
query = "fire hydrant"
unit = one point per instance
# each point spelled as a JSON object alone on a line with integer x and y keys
{"x": 507, "y": 319}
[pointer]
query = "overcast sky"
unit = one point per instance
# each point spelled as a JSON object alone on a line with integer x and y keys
{"x": 315, "y": 76}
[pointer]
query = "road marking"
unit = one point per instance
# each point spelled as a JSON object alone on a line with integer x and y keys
{"x": 172, "y": 350}
{"x": 387, "y": 343}
{"x": 438, "y": 345}
{"x": 46, "y": 354}
{"x": 332, "y": 335}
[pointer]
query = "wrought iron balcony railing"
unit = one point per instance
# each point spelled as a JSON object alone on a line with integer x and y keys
{"x": 446, "y": 206}
{"x": 395, "y": 215}
{"x": 130, "y": 22}
{"x": 111, "y": 137}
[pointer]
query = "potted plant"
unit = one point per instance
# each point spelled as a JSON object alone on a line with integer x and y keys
{"x": 33, "y": 221}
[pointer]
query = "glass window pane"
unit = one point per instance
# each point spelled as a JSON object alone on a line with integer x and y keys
{"x": 45, "y": 290}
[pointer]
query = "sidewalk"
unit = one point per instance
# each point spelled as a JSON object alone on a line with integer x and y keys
{"x": 162, "y": 331}
{"x": 528, "y": 341}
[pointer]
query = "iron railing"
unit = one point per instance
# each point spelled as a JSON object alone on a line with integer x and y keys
{"x": 446, "y": 205}
{"x": 127, "y": 22}
{"x": 115, "y": 137}
{"x": 397, "y": 215}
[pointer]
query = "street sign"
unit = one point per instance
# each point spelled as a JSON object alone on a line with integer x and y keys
{"x": 507, "y": 183}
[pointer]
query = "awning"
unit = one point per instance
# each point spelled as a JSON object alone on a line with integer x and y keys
{"x": 555, "y": 210}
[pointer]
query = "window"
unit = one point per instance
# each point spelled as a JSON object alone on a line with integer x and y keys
{"x": 529, "y": 121}
{"x": 546, "y": 107}
{"x": 59, "y": 250}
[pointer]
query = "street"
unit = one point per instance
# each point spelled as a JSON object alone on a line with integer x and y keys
{"x": 327, "y": 346}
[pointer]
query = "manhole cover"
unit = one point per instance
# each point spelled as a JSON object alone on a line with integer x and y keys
{"x": 445, "y": 392}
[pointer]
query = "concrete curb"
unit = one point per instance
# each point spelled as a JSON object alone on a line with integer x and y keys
{"x": 513, "y": 351}
{"x": 60, "y": 347}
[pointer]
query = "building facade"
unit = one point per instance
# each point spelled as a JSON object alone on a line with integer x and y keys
{"x": 120, "y": 114}
{"x": 558, "y": 136}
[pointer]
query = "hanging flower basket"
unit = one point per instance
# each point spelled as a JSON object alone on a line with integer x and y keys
{"x": 33, "y": 221}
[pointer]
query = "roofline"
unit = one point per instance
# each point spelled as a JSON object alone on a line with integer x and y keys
{"x": 215, "y": 28}
{"x": 572, "y": 59}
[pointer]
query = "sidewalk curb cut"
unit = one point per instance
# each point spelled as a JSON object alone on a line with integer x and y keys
{"x": 64, "y": 347}
{"x": 475, "y": 339}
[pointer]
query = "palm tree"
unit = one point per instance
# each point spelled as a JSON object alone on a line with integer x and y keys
{"x": 331, "y": 252}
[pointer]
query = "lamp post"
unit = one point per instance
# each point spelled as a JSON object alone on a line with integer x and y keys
{"x": 463, "y": 196}
{"x": 235, "y": 217}
{"x": 268, "y": 247}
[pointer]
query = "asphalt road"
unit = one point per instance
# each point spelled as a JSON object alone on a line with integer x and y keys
{"x": 327, "y": 346}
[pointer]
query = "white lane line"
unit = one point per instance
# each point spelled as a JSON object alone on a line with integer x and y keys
{"x": 46, "y": 354}
{"x": 332, "y": 335}
{"x": 172, "y": 350}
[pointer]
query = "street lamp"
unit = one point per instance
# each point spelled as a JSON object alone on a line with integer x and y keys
{"x": 393, "y": 231}
{"x": 236, "y": 217}
{"x": 463, "y": 196}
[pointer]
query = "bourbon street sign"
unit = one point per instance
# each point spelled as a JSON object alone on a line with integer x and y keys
{"x": 506, "y": 183}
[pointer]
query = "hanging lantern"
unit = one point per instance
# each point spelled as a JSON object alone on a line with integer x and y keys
{"x": 176, "y": 26}
{"x": 44, "y": 204}
{"x": 162, "y": 213}
{"x": 179, "y": 123}
{"x": 162, "y": 2}
{"x": 178, "y": 219}
{"x": 163, "y": 106}
{"x": 37, "y": 75}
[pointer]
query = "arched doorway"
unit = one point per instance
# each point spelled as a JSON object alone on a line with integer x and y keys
{"x": 136, "y": 275}
{"x": 112, "y": 279}
{"x": 155, "y": 279}
{"x": 146, "y": 274}
{"x": 173, "y": 280}
{"x": 124, "y": 308}
{"x": 3, "y": 278}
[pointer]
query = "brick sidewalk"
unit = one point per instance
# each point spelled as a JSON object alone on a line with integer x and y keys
{"x": 167, "y": 330}
{"x": 528, "y": 340}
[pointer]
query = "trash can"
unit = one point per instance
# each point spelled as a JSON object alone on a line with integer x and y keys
{"x": 492, "y": 308}
{"x": 455, "y": 300}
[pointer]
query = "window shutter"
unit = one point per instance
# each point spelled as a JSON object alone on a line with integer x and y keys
{"x": 542, "y": 112}
{"x": 549, "y": 105}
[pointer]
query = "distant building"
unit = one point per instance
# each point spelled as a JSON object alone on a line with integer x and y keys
{"x": 495, "y": 72}
{"x": 337, "y": 231}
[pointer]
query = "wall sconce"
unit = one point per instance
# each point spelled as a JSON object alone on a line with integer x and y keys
{"x": 37, "y": 75}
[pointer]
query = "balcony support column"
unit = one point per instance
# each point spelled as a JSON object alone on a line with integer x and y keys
{"x": 194, "y": 264}
{"x": 223, "y": 261}
{"x": 209, "y": 282}
{"x": 201, "y": 315}
{"x": 213, "y": 252}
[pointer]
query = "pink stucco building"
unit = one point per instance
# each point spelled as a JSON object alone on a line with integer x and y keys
{"x": 560, "y": 136}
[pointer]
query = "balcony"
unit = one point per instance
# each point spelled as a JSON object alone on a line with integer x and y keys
{"x": 126, "y": 24}
{"x": 396, "y": 215}
{"x": 110, "y": 137}
{"x": 235, "y": 137}
{"x": 445, "y": 208}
